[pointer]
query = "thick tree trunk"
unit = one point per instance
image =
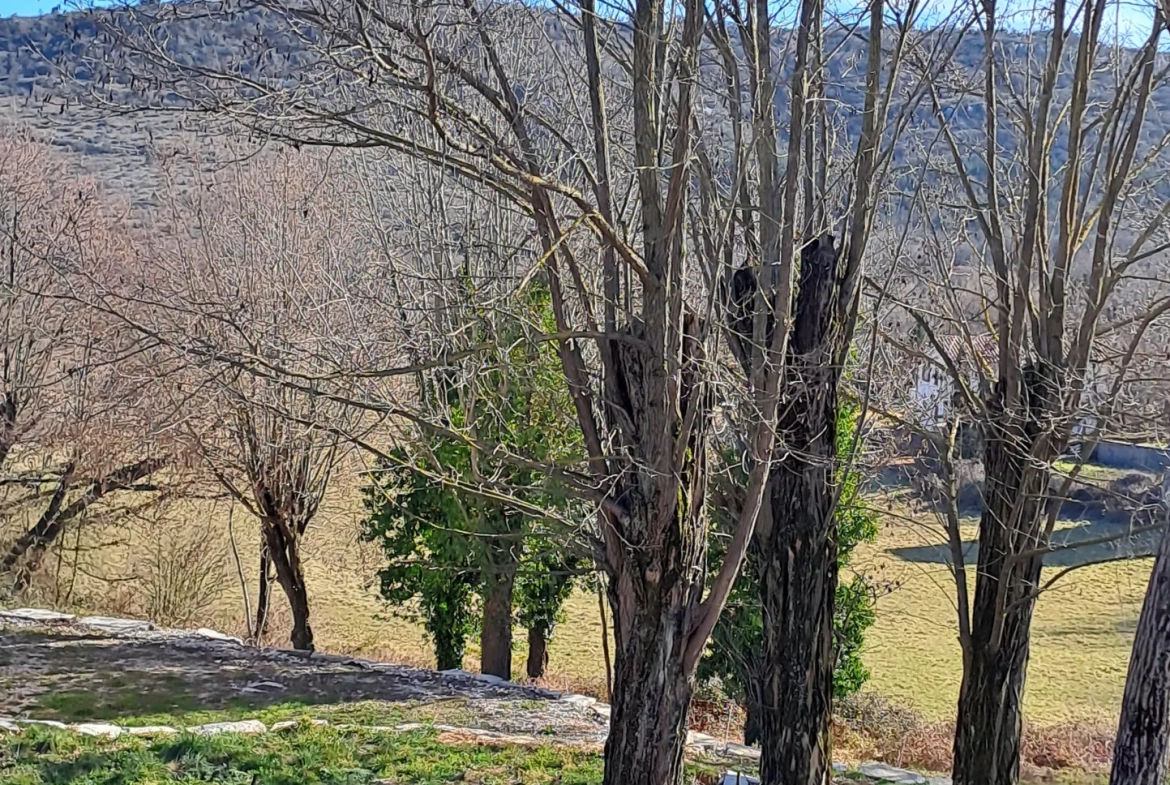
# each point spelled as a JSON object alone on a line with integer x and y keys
{"x": 990, "y": 714}
{"x": 537, "y": 651}
{"x": 651, "y": 699}
{"x": 796, "y": 541}
{"x": 263, "y": 594}
{"x": 987, "y": 736}
{"x": 798, "y": 584}
{"x": 1139, "y": 756}
{"x": 496, "y": 635}
{"x": 286, "y": 558}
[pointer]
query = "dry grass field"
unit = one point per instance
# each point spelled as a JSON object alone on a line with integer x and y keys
{"x": 1082, "y": 632}
{"x": 1083, "y": 627}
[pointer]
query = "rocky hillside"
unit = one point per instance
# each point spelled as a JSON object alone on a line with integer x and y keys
{"x": 49, "y": 65}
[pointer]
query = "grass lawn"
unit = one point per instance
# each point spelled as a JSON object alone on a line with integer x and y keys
{"x": 304, "y": 756}
{"x": 1082, "y": 632}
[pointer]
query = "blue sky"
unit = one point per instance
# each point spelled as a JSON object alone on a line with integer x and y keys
{"x": 24, "y": 7}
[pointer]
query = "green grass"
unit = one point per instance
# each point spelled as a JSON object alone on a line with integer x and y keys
{"x": 305, "y": 756}
{"x": 75, "y": 707}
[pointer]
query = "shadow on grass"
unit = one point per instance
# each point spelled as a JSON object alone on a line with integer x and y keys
{"x": 1123, "y": 545}
{"x": 68, "y": 677}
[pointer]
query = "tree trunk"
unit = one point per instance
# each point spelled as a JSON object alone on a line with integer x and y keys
{"x": 752, "y": 724}
{"x": 537, "y": 651}
{"x": 263, "y": 594}
{"x": 651, "y": 697}
{"x": 990, "y": 713}
{"x": 796, "y": 541}
{"x": 798, "y": 584}
{"x": 38, "y": 537}
{"x": 1139, "y": 756}
{"x": 33, "y": 543}
{"x": 496, "y": 635}
{"x": 285, "y": 555}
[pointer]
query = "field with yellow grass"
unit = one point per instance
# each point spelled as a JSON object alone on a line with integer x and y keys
{"x": 1083, "y": 627}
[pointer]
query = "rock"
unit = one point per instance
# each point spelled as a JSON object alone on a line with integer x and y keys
{"x": 151, "y": 730}
{"x": 735, "y": 778}
{"x": 881, "y": 771}
{"x": 741, "y": 751}
{"x": 115, "y": 626}
{"x": 216, "y": 635}
{"x": 581, "y": 701}
{"x": 600, "y": 709}
{"x": 36, "y": 614}
{"x": 102, "y": 730}
{"x": 457, "y": 673}
{"x": 246, "y": 727}
{"x": 261, "y": 687}
{"x": 839, "y": 768}
{"x": 490, "y": 679}
{"x": 939, "y": 781}
{"x": 9, "y": 727}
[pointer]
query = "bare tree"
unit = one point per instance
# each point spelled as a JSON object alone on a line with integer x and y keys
{"x": 832, "y": 181}
{"x": 247, "y": 260}
{"x": 74, "y": 431}
{"x": 452, "y": 85}
{"x": 1035, "y": 286}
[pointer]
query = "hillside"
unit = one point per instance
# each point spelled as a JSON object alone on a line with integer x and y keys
{"x": 53, "y": 75}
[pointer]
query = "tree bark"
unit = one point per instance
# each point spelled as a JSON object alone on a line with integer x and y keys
{"x": 798, "y": 584}
{"x": 537, "y": 651}
{"x": 496, "y": 635}
{"x": 1139, "y": 755}
{"x": 651, "y": 694}
{"x": 286, "y": 557}
{"x": 796, "y": 541}
{"x": 990, "y": 712}
{"x": 263, "y": 594}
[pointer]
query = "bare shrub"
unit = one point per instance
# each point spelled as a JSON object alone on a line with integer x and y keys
{"x": 183, "y": 575}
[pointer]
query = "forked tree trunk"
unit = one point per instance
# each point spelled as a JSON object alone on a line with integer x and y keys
{"x": 496, "y": 635}
{"x": 990, "y": 712}
{"x": 286, "y": 558}
{"x": 796, "y": 542}
{"x": 1139, "y": 756}
{"x": 537, "y": 651}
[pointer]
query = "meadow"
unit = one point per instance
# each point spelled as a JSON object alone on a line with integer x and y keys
{"x": 1082, "y": 634}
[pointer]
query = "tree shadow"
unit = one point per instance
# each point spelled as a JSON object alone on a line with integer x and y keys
{"x": 1124, "y": 544}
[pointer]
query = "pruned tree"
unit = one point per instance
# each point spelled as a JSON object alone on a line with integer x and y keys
{"x": 1038, "y": 278}
{"x": 247, "y": 262}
